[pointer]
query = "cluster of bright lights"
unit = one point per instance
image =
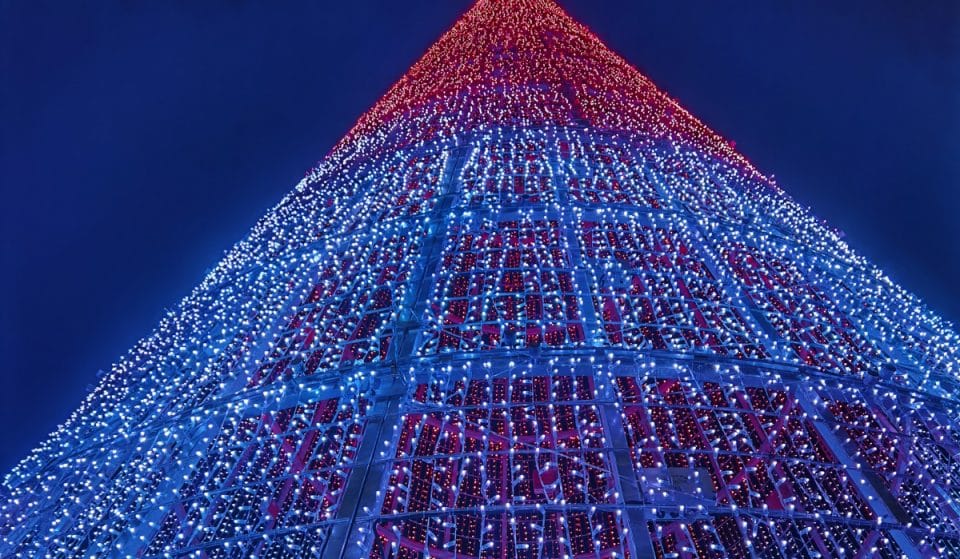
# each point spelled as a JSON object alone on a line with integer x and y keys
{"x": 752, "y": 449}
{"x": 654, "y": 292}
{"x": 527, "y": 304}
{"x": 529, "y": 452}
{"x": 295, "y": 459}
{"x": 504, "y": 285}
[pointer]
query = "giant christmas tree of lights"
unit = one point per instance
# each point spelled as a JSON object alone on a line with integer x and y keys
{"x": 529, "y": 307}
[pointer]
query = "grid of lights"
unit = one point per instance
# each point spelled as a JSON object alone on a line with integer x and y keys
{"x": 527, "y": 308}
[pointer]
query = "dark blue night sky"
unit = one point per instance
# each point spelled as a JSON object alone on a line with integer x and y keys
{"x": 140, "y": 140}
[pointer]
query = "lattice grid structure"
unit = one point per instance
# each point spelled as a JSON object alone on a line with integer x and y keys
{"x": 527, "y": 308}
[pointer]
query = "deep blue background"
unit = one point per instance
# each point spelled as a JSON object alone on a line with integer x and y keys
{"x": 140, "y": 140}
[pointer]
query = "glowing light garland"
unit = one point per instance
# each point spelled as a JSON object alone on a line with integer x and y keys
{"x": 528, "y": 307}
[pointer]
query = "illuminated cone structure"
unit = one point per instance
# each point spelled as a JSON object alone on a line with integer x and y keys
{"x": 529, "y": 307}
